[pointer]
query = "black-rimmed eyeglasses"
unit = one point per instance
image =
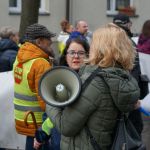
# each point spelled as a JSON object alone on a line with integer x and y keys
{"x": 73, "y": 53}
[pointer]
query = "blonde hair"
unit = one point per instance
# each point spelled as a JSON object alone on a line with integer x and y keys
{"x": 111, "y": 46}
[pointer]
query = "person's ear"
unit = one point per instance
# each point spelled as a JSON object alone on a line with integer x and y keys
{"x": 38, "y": 41}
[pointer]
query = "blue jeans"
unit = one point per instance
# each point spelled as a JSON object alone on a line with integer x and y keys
{"x": 55, "y": 140}
{"x": 29, "y": 143}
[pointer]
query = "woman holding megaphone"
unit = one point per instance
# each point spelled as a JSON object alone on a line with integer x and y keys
{"x": 75, "y": 54}
{"x": 110, "y": 90}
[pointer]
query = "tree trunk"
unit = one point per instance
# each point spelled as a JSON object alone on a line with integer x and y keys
{"x": 29, "y": 15}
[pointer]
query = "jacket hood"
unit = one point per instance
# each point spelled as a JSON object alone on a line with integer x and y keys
{"x": 119, "y": 82}
{"x": 30, "y": 51}
{"x": 115, "y": 76}
{"x": 6, "y": 44}
{"x": 123, "y": 87}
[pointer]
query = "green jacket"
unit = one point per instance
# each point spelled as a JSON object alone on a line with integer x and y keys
{"x": 97, "y": 107}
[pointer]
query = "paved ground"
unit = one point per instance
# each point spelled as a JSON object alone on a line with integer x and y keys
{"x": 146, "y": 132}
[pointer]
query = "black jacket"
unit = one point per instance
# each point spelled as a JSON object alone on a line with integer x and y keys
{"x": 135, "y": 116}
{"x": 8, "y": 52}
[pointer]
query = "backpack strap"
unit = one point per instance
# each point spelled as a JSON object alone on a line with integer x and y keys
{"x": 86, "y": 83}
{"x": 89, "y": 79}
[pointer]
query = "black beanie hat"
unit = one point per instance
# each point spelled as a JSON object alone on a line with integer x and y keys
{"x": 36, "y": 30}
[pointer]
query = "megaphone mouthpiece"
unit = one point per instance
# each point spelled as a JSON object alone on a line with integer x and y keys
{"x": 60, "y": 87}
{"x": 61, "y": 93}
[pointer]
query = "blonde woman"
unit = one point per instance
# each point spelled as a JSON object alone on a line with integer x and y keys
{"x": 113, "y": 89}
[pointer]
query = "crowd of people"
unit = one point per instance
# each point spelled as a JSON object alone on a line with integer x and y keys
{"x": 109, "y": 53}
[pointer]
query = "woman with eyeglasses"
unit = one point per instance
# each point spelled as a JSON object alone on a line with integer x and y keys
{"x": 74, "y": 55}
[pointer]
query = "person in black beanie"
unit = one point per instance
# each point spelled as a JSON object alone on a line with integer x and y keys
{"x": 31, "y": 62}
{"x": 124, "y": 22}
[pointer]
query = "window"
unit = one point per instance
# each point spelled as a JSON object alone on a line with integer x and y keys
{"x": 42, "y": 6}
{"x": 15, "y": 6}
{"x": 12, "y": 3}
{"x": 114, "y": 5}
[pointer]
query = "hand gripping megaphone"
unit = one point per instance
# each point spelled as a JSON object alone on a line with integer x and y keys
{"x": 59, "y": 86}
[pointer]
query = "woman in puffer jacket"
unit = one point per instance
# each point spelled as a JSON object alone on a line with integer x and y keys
{"x": 112, "y": 90}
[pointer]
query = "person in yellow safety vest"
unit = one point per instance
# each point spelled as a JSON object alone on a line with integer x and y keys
{"x": 74, "y": 55}
{"x": 31, "y": 62}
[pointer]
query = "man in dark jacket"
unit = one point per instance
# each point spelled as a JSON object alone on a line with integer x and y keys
{"x": 8, "y": 48}
{"x": 124, "y": 22}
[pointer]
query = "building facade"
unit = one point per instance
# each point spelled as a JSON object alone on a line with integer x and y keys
{"x": 96, "y": 12}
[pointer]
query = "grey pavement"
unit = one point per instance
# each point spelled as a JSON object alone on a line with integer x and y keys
{"x": 146, "y": 132}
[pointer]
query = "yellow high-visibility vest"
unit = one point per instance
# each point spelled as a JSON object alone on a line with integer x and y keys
{"x": 61, "y": 47}
{"x": 24, "y": 99}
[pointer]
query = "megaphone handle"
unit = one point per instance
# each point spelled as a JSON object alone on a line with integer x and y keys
{"x": 33, "y": 118}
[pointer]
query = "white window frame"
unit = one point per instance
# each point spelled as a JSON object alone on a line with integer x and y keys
{"x": 17, "y": 9}
{"x": 42, "y": 8}
{"x": 112, "y": 7}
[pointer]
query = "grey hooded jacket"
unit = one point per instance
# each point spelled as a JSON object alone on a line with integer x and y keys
{"x": 97, "y": 107}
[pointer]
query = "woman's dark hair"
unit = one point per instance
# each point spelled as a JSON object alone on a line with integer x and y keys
{"x": 85, "y": 45}
{"x": 146, "y": 28}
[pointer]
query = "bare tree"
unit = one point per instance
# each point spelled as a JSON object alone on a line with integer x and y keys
{"x": 29, "y": 15}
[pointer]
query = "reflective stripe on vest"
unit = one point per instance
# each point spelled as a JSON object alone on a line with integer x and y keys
{"x": 24, "y": 98}
{"x": 27, "y": 108}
